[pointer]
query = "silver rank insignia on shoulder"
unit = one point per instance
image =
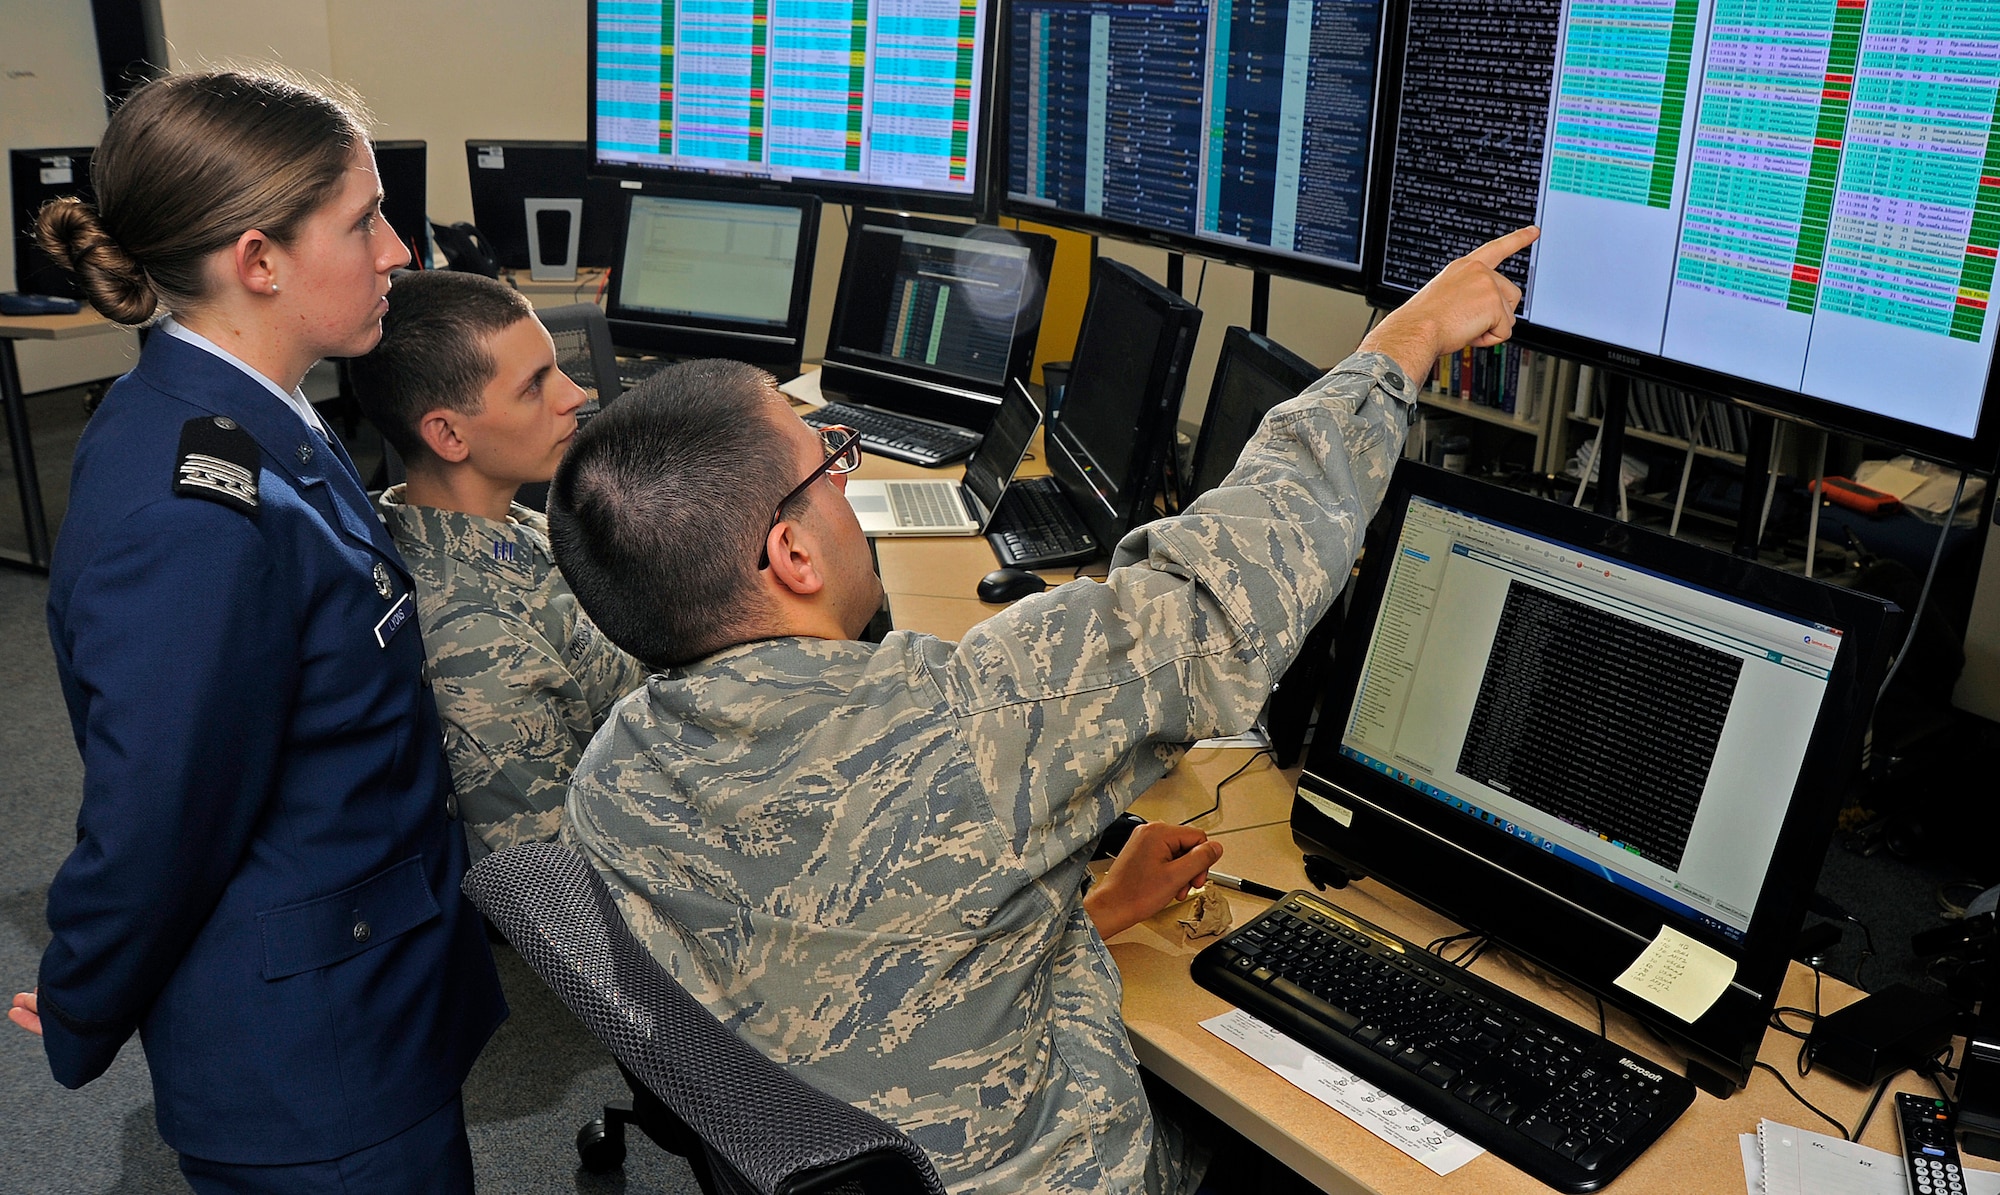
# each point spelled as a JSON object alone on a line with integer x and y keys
{"x": 217, "y": 461}
{"x": 382, "y": 585}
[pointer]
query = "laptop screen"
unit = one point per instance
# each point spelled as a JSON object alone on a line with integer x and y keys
{"x": 993, "y": 465}
{"x": 954, "y": 304}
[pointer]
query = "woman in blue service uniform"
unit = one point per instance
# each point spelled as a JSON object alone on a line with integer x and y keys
{"x": 265, "y": 879}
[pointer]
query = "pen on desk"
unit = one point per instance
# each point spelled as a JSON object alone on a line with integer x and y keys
{"x": 1248, "y": 887}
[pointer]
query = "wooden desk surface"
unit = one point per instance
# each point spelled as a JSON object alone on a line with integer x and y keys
{"x": 56, "y": 327}
{"x": 1164, "y": 1008}
{"x": 929, "y": 582}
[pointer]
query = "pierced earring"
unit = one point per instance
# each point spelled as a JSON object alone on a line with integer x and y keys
{"x": 274, "y": 288}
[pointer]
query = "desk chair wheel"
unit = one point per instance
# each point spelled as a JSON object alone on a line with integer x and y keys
{"x": 600, "y": 1145}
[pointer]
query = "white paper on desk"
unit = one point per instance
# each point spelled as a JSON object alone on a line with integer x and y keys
{"x": 1753, "y": 1162}
{"x": 1253, "y": 737}
{"x": 1797, "y": 1162}
{"x": 1679, "y": 974}
{"x": 805, "y": 388}
{"x": 1440, "y": 1149}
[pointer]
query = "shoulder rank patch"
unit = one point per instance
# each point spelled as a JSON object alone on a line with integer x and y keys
{"x": 218, "y": 461}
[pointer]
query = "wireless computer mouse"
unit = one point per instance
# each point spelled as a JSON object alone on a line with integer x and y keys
{"x": 1004, "y": 585}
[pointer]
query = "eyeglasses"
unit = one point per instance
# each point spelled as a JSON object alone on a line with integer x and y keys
{"x": 843, "y": 455}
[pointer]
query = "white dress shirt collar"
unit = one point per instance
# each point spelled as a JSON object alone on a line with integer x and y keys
{"x": 295, "y": 400}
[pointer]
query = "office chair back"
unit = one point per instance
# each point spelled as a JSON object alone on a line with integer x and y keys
{"x": 761, "y": 1129}
{"x": 584, "y": 351}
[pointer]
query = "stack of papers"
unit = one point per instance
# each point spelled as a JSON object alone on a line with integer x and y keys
{"x": 1781, "y": 1160}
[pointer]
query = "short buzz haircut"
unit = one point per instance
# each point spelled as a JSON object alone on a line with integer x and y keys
{"x": 659, "y": 508}
{"x": 433, "y": 352}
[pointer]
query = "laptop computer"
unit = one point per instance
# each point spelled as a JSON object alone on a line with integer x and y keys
{"x": 933, "y": 319}
{"x": 940, "y": 507}
{"x": 704, "y": 271}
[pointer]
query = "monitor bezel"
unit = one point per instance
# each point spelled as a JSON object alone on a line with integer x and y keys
{"x": 1242, "y": 347}
{"x": 701, "y": 336}
{"x": 976, "y": 202}
{"x": 1501, "y": 886}
{"x": 1978, "y": 452}
{"x": 932, "y": 393}
{"x": 1166, "y": 380}
{"x": 1318, "y": 271}
{"x": 594, "y": 187}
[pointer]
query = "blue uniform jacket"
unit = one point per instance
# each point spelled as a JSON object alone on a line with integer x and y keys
{"x": 265, "y": 880}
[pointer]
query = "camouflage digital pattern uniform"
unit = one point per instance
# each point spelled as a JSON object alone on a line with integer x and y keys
{"x": 521, "y": 675}
{"x": 868, "y": 859}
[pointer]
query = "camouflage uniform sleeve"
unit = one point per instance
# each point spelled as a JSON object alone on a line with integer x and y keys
{"x": 1079, "y": 697}
{"x": 603, "y": 670}
{"x": 516, "y": 721}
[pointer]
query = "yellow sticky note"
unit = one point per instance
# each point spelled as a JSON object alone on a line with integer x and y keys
{"x": 1679, "y": 974}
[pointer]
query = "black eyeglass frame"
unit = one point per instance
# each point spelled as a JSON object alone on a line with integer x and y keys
{"x": 843, "y": 457}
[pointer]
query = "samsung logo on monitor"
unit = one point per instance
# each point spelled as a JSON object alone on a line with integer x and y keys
{"x": 1624, "y": 358}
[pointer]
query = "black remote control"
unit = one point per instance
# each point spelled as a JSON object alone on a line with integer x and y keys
{"x": 1930, "y": 1155}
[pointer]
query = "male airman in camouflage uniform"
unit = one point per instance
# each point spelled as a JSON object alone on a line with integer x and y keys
{"x": 868, "y": 859}
{"x": 464, "y": 384}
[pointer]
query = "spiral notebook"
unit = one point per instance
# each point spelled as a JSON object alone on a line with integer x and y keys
{"x": 1796, "y": 1162}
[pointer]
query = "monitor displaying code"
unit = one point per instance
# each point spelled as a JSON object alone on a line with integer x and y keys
{"x": 1244, "y": 124}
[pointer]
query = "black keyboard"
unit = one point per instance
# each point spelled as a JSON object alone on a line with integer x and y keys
{"x": 1035, "y": 527}
{"x": 1553, "y": 1098}
{"x": 633, "y": 370}
{"x": 905, "y": 437}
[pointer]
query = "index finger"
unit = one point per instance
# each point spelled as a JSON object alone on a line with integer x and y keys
{"x": 1499, "y": 249}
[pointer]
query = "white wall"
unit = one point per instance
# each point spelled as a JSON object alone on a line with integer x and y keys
{"x": 51, "y": 94}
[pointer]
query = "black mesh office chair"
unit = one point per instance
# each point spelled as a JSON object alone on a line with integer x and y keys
{"x": 585, "y": 353}
{"x": 744, "y": 1123}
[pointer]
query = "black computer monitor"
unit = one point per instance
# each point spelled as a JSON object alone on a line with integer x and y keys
{"x": 505, "y": 174}
{"x": 933, "y": 317}
{"x": 1107, "y": 441}
{"x": 875, "y": 103}
{"x": 1253, "y": 374}
{"x": 1802, "y": 213}
{"x": 405, "y": 190}
{"x": 37, "y": 176}
{"x": 712, "y": 273}
{"x": 1568, "y": 733}
{"x": 1239, "y": 131}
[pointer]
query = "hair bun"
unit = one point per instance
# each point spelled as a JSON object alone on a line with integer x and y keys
{"x": 68, "y": 231}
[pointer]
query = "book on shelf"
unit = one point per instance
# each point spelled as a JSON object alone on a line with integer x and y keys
{"x": 1662, "y": 410}
{"x": 1517, "y": 382}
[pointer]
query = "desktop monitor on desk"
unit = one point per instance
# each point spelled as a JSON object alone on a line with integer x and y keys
{"x": 403, "y": 166}
{"x": 505, "y": 175}
{"x": 933, "y": 317}
{"x": 1241, "y": 132}
{"x": 36, "y": 177}
{"x": 1797, "y": 207}
{"x": 1107, "y": 442}
{"x": 1253, "y": 374}
{"x": 710, "y": 273}
{"x": 1572, "y": 735}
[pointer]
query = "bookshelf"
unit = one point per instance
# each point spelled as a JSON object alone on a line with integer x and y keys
{"x": 1501, "y": 400}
